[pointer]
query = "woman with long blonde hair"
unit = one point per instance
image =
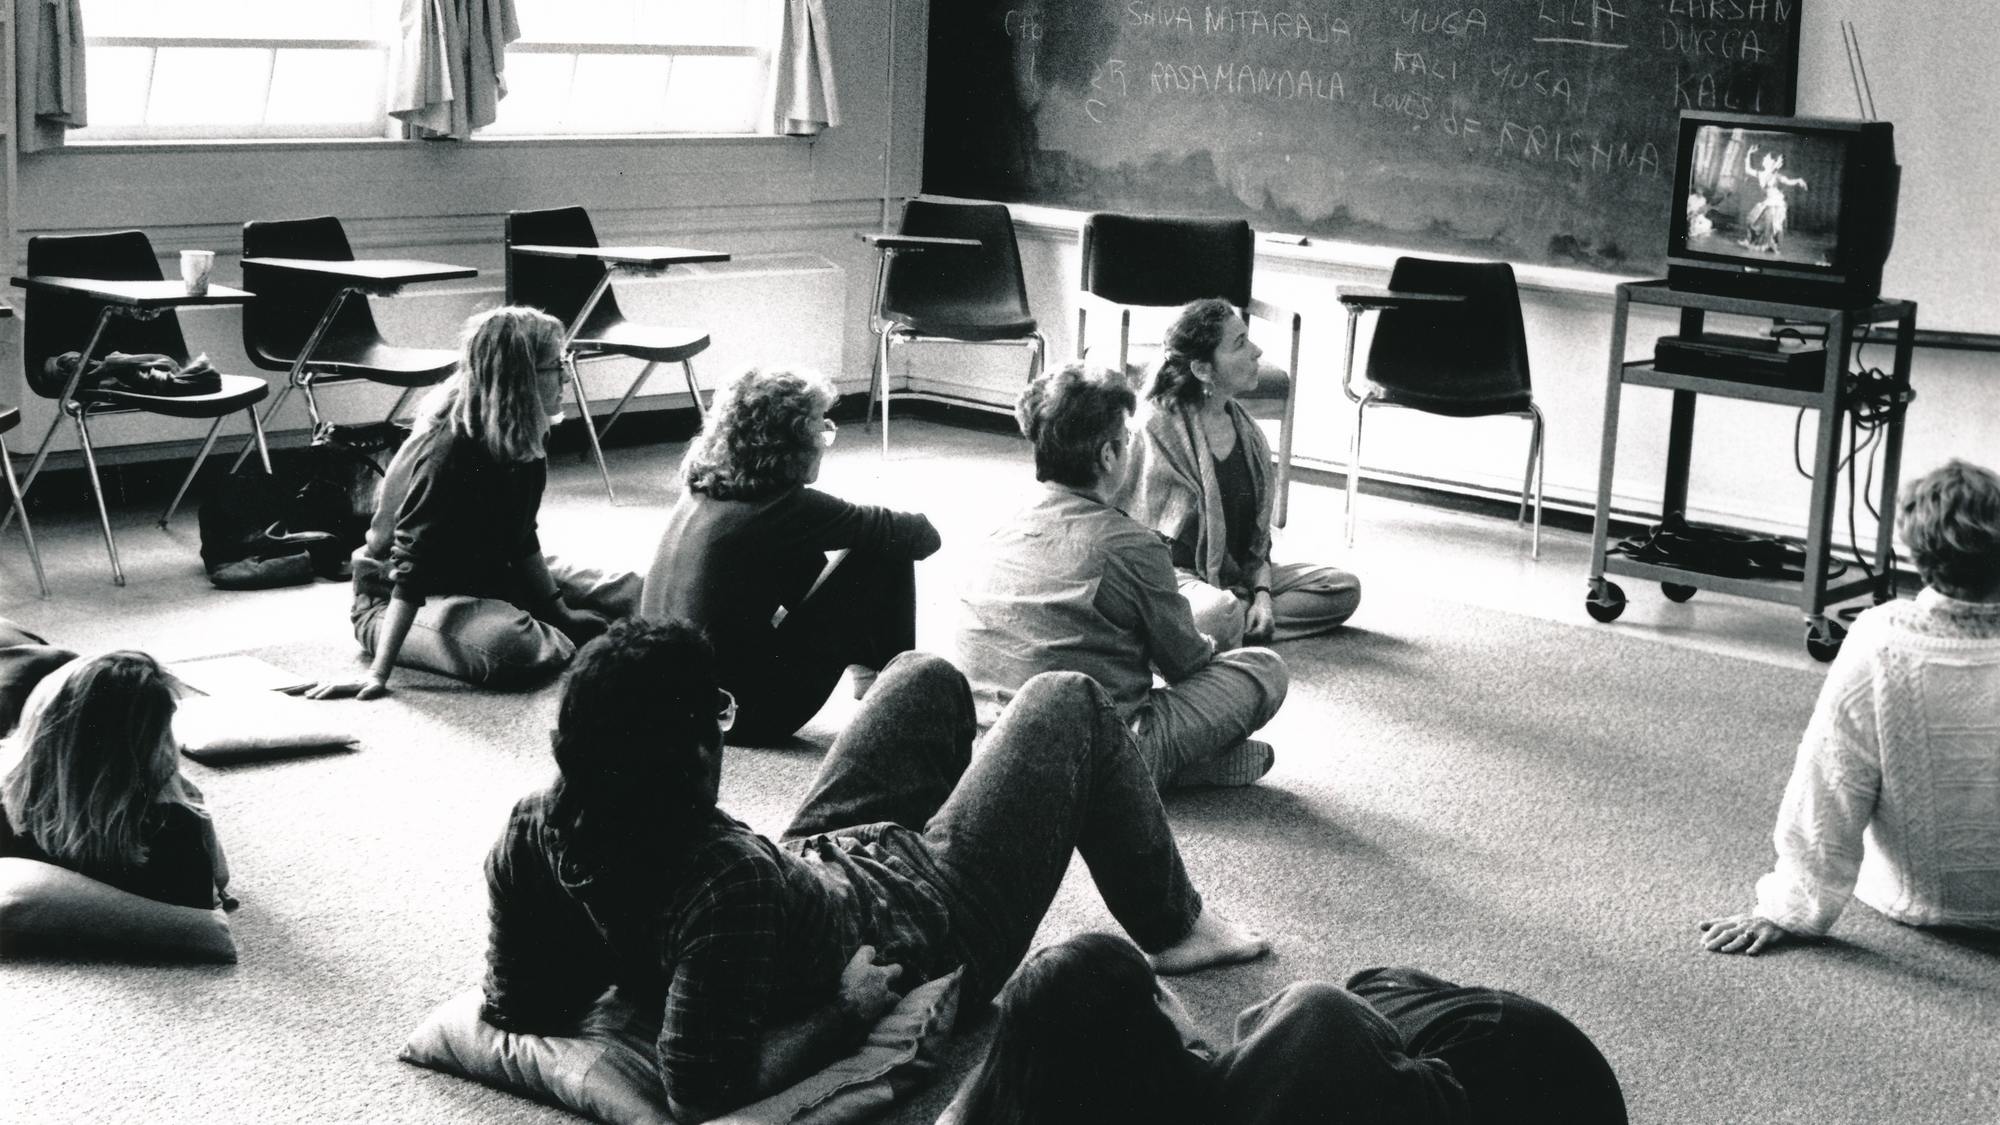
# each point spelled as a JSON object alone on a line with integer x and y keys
{"x": 93, "y": 784}
{"x": 452, "y": 578}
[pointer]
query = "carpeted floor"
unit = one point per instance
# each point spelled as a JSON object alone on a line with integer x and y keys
{"x": 1495, "y": 796}
{"x": 1498, "y": 799}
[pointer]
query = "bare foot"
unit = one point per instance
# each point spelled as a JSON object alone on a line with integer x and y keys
{"x": 1215, "y": 940}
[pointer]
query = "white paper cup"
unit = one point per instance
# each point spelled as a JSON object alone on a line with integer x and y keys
{"x": 196, "y": 265}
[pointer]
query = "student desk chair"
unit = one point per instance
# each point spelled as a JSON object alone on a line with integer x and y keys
{"x": 555, "y": 264}
{"x": 98, "y": 293}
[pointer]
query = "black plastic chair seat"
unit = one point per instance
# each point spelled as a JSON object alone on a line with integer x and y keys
{"x": 1000, "y": 327}
{"x": 238, "y": 392}
{"x": 1515, "y": 402}
{"x": 10, "y": 417}
{"x": 654, "y": 342}
{"x": 371, "y": 359}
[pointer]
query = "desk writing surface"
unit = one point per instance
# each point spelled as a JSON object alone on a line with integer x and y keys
{"x": 917, "y": 241}
{"x": 133, "y": 294}
{"x": 365, "y": 271}
{"x": 1532, "y": 131}
{"x": 648, "y": 256}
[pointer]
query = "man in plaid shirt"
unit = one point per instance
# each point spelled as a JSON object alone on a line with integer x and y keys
{"x": 908, "y": 859}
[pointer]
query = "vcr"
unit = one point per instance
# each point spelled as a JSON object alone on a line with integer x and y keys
{"x": 1742, "y": 359}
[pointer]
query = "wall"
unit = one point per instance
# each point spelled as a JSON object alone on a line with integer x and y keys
{"x": 1947, "y": 257}
{"x": 779, "y": 204}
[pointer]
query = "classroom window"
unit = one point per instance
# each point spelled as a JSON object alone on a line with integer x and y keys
{"x": 640, "y": 66}
{"x": 215, "y": 69}
{"x": 275, "y": 69}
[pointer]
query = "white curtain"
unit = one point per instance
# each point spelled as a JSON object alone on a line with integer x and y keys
{"x": 806, "y": 99}
{"x": 48, "y": 72}
{"x": 448, "y": 64}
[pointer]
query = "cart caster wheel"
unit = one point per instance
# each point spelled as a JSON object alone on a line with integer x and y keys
{"x": 1605, "y": 604}
{"x": 1823, "y": 639}
{"x": 1676, "y": 592}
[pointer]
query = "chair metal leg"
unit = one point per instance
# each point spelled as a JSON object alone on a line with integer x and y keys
{"x": 1283, "y": 506}
{"x": 1537, "y": 458}
{"x": 21, "y": 507}
{"x": 206, "y": 445}
{"x": 882, "y": 364}
{"x": 874, "y": 385}
{"x": 1039, "y": 360}
{"x": 397, "y": 406}
{"x": 589, "y": 427}
{"x": 694, "y": 392}
{"x": 1354, "y": 463}
{"x": 35, "y": 467}
{"x": 97, "y": 492}
{"x": 270, "y": 412}
{"x": 645, "y": 373}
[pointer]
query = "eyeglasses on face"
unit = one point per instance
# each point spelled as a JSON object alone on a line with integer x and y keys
{"x": 725, "y": 712}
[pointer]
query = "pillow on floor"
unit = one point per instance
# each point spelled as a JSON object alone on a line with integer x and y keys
{"x": 45, "y": 907}
{"x": 609, "y": 1073}
{"x": 253, "y": 725}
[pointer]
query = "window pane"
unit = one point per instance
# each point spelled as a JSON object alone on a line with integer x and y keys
{"x": 115, "y": 83}
{"x": 209, "y": 85}
{"x": 321, "y": 87}
{"x": 714, "y": 95}
{"x": 537, "y": 94}
{"x": 617, "y": 94}
{"x": 741, "y": 23}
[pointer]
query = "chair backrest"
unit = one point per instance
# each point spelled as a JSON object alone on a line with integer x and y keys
{"x": 557, "y": 286}
{"x": 277, "y": 324}
{"x": 58, "y": 323}
{"x": 962, "y": 286}
{"x": 1159, "y": 261}
{"x": 1473, "y": 352}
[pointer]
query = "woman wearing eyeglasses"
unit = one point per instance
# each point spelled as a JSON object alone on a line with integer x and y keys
{"x": 792, "y": 584}
{"x": 451, "y": 578}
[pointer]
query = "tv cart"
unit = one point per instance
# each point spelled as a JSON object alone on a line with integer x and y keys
{"x": 1832, "y": 398}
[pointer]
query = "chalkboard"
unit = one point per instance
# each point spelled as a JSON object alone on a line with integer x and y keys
{"x": 1537, "y": 131}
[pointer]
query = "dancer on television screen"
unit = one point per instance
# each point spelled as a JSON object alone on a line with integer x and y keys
{"x": 1766, "y": 226}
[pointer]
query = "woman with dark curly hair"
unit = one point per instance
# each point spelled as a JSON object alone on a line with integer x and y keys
{"x": 1202, "y": 479}
{"x": 792, "y": 585}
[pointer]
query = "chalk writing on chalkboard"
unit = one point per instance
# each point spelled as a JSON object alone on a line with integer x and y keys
{"x": 1530, "y": 130}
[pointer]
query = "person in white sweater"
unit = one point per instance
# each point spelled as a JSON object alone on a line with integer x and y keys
{"x": 1895, "y": 797}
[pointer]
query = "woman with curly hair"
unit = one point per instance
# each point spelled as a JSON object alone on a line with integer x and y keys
{"x": 93, "y": 784}
{"x": 1894, "y": 797}
{"x": 451, "y": 578}
{"x": 792, "y": 585}
{"x": 1203, "y": 481}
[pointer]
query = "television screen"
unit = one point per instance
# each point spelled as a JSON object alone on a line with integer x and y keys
{"x": 1765, "y": 195}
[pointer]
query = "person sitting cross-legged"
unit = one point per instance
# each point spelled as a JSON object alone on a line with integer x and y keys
{"x": 909, "y": 858}
{"x": 1072, "y": 583}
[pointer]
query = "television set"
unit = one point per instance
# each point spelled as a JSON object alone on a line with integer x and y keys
{"x": 1795, "y": 209}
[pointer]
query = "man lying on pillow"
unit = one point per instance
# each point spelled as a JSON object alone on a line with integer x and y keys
{"x": 907, "y": 859}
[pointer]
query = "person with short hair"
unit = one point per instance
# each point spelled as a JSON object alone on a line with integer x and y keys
{"x": 1087, "y": 1033}
{"x": 1072, "y": 583}
{"x": 1895, "y": 795}
{"x": 451, "y": 577}
{"x": 794, "y": 585}
{"x": 911, "y": 856}
{"x": 1202, "y": 479}
{"x": 93, "y": 784}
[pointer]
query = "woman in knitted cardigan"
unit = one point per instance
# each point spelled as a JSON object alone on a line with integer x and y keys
{"x": 1203, "y": 481}
{"x": 1895, "y": 796}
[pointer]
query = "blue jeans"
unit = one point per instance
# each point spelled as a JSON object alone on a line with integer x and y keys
{"x": 1057, "y": 774}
